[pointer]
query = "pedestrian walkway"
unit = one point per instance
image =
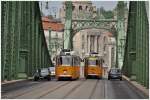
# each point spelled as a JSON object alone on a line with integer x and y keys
{"x": 137, "y": 86}
{"x": 13, "y": 81}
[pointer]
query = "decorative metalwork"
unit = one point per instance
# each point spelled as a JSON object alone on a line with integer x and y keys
{"x": 136, "y": 59}
{"x": 68, "y": 24}
{"x": 73, "y": 26}
{"x": 78, "y": 25}
{"x": 24, "y": 46}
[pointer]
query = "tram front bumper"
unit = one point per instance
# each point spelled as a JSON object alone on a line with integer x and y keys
{"x": 64, "y": 75}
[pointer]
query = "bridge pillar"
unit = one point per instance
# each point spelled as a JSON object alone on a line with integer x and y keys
{"x": 120, "y": 42}
{"x": 68, "y": 26}
{"x": 23, "y": 41}
{"x": 120, "y": 34}
{"x": 136, "y": 50}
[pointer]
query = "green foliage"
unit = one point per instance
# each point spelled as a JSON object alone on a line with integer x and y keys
{"x": 106, "y": 14}
{"x": 120, "y": 9}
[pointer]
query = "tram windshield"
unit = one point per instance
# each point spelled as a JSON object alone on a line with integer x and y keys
{"x": 66, "y": 60}
{"x": 92, "y": 62}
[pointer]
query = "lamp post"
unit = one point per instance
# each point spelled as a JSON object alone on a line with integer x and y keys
{"x": 83, "y": 52}
{"x": 49, "y": 30}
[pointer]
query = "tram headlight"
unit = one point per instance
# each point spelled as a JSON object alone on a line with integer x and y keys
{"x": 65, "y": 72}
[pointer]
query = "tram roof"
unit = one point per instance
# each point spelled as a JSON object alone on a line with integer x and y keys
{"x": 94, "y": 57}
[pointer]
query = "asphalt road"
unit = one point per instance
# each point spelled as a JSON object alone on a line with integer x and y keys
{"x": 77, "y": 89}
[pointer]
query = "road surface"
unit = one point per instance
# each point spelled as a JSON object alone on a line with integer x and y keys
{"x": 77, "y": 89}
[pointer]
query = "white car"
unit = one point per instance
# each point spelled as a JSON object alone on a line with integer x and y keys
{"x": 52, "y": 69}
{"x": 42, "y": 73}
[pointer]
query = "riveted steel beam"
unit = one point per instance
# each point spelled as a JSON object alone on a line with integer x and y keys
{"x": 68, "y": 24}
{"x": 136, "y": 64}
{"x": 23, "y": 41}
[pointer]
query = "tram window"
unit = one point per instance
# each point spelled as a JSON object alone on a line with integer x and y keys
{"x": 66, "y": 60}
{"x": 86, "y": 62}
{"x": 57, "y": 60}
{"x": 91, "y": 62}
{"x": 79, "y": 60}
{"x": 97, "y": 62}
{"x": 73, "y": 61}
{"x": 76, "y": 61}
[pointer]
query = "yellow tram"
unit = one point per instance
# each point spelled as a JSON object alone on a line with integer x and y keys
{"x": 67, "y": 65}
{"x": 93, "y": 67}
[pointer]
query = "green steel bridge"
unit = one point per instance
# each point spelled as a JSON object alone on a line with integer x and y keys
{"x": 24, "y": 49}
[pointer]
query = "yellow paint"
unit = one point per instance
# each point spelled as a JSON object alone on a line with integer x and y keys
{"x": 73, "y": 71}
{"x": 97, "y": 70}
{"x": 92, "y": 58}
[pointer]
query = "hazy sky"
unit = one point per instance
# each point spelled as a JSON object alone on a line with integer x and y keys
{"x": 56, "y": 5}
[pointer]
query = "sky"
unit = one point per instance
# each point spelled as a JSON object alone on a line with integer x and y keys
{"x": 56, "y": 5}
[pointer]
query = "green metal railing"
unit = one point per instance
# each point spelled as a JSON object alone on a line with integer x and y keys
{"x": 23, "y": 44}
{"x": 136, "y": 59}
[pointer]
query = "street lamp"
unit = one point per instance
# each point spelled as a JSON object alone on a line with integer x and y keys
{"x": 83, "y": 52}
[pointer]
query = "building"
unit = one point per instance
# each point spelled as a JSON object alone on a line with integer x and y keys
{"x": 88, "y": 40}
{"x": 53, "y": 30}
{"x": 96, "y": 40}
{"x": 80, "y": 10}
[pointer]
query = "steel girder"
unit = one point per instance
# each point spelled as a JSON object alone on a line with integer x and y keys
{"x": 68, "y": 28}
{"x": 73, "y": 26}
{"x": 23, "y": 43}
{"x": 121, "y": 34}
{"x": 130, "y": 49}
{"x": 136, "y": 60}
{"x": 78, "y": 25}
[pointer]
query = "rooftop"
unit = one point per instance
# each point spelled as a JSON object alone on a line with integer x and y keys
{"x": 53, "y": 24}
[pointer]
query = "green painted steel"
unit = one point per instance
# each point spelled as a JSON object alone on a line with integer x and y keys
{"x": 136, "y": 59}
{"x": 68, "y": 26}
{"x": 121, "y": 34}
{"x": 78, "y": 25}
{"x": 73, "y": 26}
{"x": 132, "y": 48}
{"x": 49, "y": 40}
{"x": 23, "y": 42}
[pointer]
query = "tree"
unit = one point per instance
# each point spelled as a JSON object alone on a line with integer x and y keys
{"x": 121, "y": 6}
{"x": 106, "y": 14}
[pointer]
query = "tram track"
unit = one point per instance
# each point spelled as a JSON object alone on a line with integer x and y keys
{"x": 34, "y": 87}
{"x": 74, "y": 88}
{"x": 53, "y": 89}
{"x": 93, "y": 90}
{"x": 79, "y": 89}
{"x": 105, "y": 89}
